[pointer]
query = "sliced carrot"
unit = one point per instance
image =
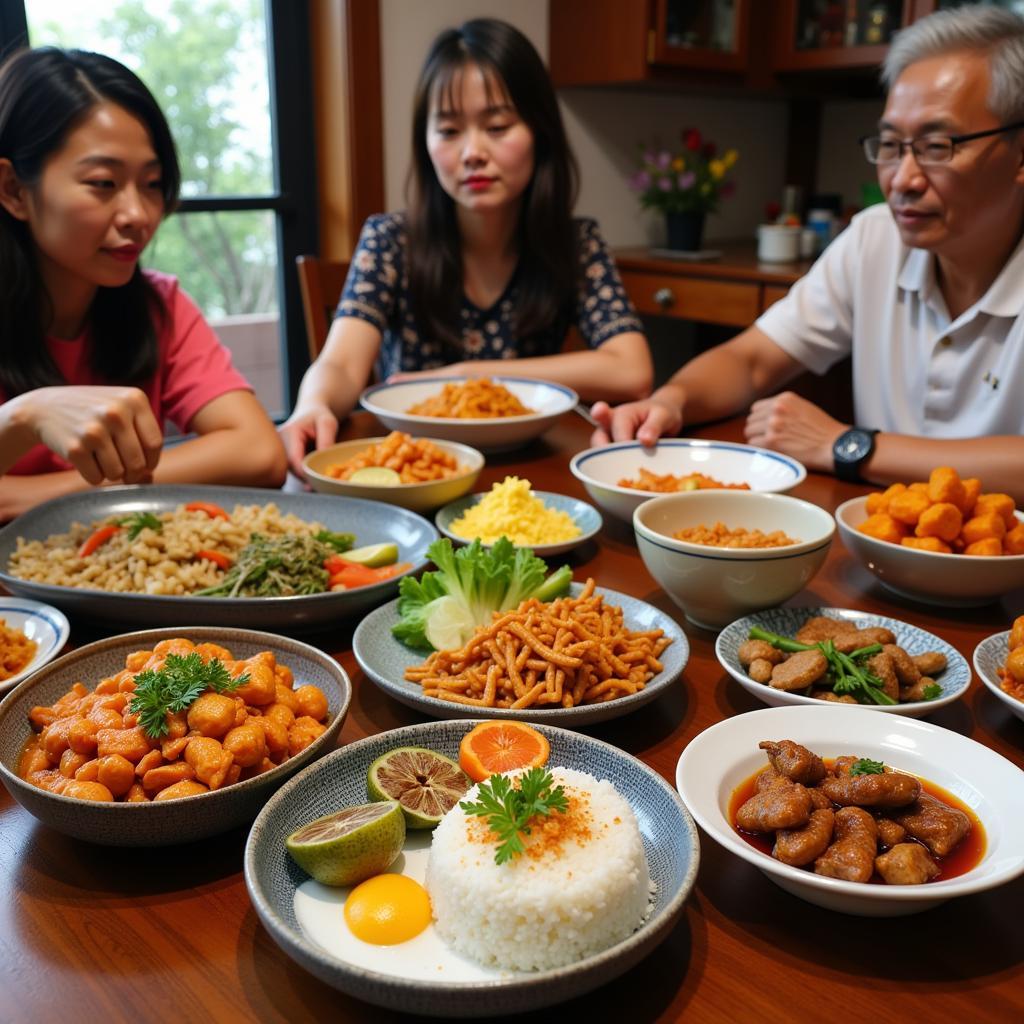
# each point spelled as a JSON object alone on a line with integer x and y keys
{"x": 218, "y": 558}
{"x": 351, "y": 574}
{"x": 494, "y": 747}
{"x": 212, "y": 510}
{"x": 97, "y": 539}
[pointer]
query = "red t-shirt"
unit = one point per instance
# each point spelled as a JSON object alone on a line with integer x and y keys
{"x": 193, "y": 369}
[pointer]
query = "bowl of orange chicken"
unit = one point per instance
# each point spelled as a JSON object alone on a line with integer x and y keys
{"x": 168, "y": 736}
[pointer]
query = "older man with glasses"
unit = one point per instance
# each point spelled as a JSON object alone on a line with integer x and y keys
{"x": 926, "y": 293}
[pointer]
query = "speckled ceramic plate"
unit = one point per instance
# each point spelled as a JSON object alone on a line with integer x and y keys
{"x": 372, "y": 522}
{"x": 168, "y": 822}
{"x": 339, "y": 780}
{"x": 586, "y": 517}
{"x": 385, "y": 660}
{"x": 47, "y": 626}
{"x": 787, "y": 621}
{"x": 989, "y": 657}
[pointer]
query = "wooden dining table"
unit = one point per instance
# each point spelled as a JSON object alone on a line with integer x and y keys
{"x": 91, "y": 933}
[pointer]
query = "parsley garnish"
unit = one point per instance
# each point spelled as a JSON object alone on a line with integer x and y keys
{"x": 175, "y": 686}
{"x": 509, "y": 811}
{"x": 931, "y": 691}
{"x": 865, "y": 766}
{"x": 139, "y": 521}
{"x": 340, "y": 542}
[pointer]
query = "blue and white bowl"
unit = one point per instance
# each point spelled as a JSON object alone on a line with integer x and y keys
{"x": 585, "y": 516}
{"x": 339, "y": 780}
{"x": 989, "y": 656}
{"x": 40, "y": 622}
{"x": 787, "y": 622}
{"x": 601, "y": 469}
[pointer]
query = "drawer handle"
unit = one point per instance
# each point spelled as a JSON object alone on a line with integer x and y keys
{"x": 664, "y": 297}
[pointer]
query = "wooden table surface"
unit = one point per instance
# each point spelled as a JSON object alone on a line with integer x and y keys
{"x": 89, "y": 933}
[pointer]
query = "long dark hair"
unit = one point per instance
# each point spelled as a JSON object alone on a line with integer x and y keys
{"x": 548, "y": 264}
{"x": 44, "y": 95}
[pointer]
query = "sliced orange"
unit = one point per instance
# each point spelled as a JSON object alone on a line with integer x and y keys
{"x": 494, "y": 747}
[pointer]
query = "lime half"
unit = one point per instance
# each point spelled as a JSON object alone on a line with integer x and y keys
{"x": 426, "y": 784}
{"x": 449, "y": 624}
{"x": 350, "y": 845}
{"x": 373, "y": 555}
{"x": 377, "y": 476}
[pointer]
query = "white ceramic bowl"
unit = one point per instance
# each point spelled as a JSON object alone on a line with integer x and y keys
{"x": 715, "y": 585}
{"x": 585, "y": 516}
{"x": 726, "y": 755}
{"x": 40, "y": 622}
{"x": 954, "y": 681}
{"x": 989, "y": 655}
{"x": 390, "y": 402}
{"x": 956, "y": 581}
{"x": 416, "y": 497}
{"x": 601, "y": 469}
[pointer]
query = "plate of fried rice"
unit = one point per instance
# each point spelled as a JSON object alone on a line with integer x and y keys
{"x": 162, "y": 555}
{"x": 567, "y": 918}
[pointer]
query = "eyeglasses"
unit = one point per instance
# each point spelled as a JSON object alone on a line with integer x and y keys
{"x": 927, "y": 149}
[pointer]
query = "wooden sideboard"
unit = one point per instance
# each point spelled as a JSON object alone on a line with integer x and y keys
{"x": 732, "y": 290}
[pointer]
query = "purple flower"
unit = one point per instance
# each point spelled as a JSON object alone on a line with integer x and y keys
{"x": 664, "y": 159}
{"x": 649, "y": 157}
{"x": 687, "y": 180}
{"x": 640, "y": 181}
{"x": 665, "y": 184}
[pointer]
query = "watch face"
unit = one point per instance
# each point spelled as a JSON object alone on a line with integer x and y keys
{"x": 853, "y": 445}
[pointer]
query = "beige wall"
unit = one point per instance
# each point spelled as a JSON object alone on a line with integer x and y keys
{"x": 604, "y": 126}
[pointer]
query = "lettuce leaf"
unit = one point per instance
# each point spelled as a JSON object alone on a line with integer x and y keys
{"x": 482, "y": 581}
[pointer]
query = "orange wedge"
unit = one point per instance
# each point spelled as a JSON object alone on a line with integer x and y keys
{"x": 494, "y": 747}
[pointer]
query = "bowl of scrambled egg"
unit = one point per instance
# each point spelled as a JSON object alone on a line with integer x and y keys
{"x": 548, "y": 523}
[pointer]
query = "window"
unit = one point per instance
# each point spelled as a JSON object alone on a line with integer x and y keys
{"x": 232, "y": 77}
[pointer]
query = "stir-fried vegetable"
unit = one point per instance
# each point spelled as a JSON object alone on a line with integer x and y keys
{"x": 275, "y": 567}
{"x": 469, "y": 585}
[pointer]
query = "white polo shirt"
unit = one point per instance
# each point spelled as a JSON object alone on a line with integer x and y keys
{"x": 914, "y": 370}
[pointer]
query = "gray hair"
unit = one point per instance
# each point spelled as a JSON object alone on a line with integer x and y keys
{"x": 991, "y": 30}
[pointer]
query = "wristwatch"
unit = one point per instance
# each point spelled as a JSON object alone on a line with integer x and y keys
{"x": 850, "y": 451}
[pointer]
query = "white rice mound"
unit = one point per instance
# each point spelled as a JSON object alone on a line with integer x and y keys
{"x": 582, "y": 885}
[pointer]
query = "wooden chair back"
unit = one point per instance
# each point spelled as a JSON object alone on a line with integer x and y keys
{"x": 321, "y": 283}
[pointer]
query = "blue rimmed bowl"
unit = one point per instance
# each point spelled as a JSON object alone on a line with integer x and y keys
{"x": 714, "y": 585}
{"x": 601, "y": 469}
{"x": 339, "y": 780}
{"x": 44, "y": 624}
{"x": 954, "y": 681}
{"x": 989, "y": 657}
{"x": 585, "y": 516}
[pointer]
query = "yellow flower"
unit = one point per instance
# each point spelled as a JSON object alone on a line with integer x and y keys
{"x": 679, "y": 164}
{"x": 717, "y": 169}
{"x": 705, "y": 189}
{"x": 729, "y": 158}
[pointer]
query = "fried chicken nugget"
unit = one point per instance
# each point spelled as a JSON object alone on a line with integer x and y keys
{"x": 988, "y": 524}
{"x": 990, "y": 547}
{"x": 996, "y": 502}
{"x": 1013, "y": 542}
{"x": 942, "y": 520}
{"x": 909, "y": 506}
{"x": 944, "y": 485}
{"x": 927, "y": 544}
{"x": 882, "y": 526}
{"x": 879, "y": 500}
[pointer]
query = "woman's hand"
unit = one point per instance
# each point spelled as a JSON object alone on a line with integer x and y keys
{"x": 646, "y": 420}
{"x": 790, "y": 424}
{"x": 106, "y": 433}
{"x": 314, "y": 423}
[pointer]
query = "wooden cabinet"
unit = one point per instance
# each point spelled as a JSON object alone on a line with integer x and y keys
{"x": 605, "y": 42}
{"x": 732, "y": 291}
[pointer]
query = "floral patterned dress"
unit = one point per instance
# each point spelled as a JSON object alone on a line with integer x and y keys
{"x": 377, "y": 291}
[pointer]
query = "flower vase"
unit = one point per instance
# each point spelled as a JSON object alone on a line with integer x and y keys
{"x": 684, "y": 230}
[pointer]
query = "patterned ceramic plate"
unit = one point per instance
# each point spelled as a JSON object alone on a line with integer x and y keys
{"x": 281, "y": 892}
{"x": 371, "y": 522}
{"x": 787, "y": 621}
{"x": 586, "y": 517}
{"x": 47, "y": 626}
{"x": 989, "y": 657}
{"x": 385, "y": 660}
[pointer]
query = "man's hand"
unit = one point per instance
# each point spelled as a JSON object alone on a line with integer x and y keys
{"x": 790, "y": 424}
{"x": 646, "y": 420}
